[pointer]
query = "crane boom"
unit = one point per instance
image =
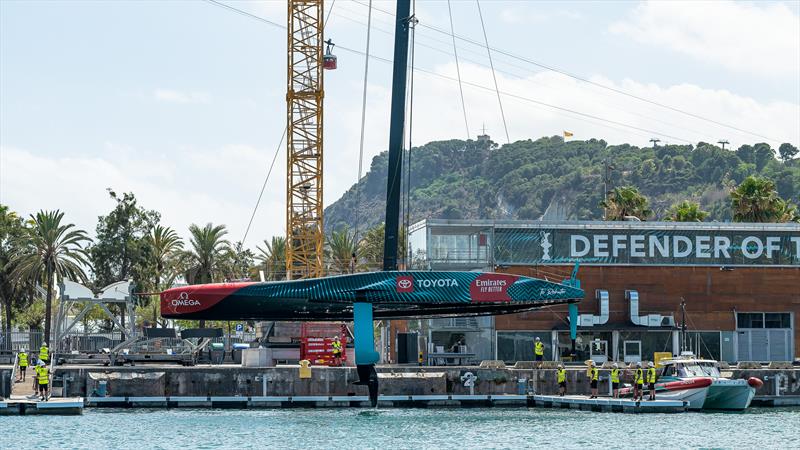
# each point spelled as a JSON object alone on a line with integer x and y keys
{"x": 304, "y": 97}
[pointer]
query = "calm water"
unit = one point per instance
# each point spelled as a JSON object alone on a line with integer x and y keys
{"x": 391, "y": 429}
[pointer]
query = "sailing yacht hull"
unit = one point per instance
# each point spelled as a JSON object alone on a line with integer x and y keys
{"x": 730, "y": 395}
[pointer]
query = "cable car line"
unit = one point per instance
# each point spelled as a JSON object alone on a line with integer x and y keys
{"x": 458, "y": 70}
{"x": 494, "y": 75}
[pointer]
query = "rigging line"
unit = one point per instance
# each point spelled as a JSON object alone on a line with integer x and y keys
{"x": 594, "y": 83}
{"x": 478, "y": 86}
{"x": 363, "y": 122}
{"x": 494, "y": 75}
{"x": 264, "y": 185}
{"x": 458, "y": 70}
{"x": 407, "y": 218}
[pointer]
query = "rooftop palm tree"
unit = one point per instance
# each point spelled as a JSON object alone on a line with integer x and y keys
{"x": 625, "y": 202}
{"x": 51, "y": 251}
{"x": 273, "y": 257}
{"x": 686, "y": 211}
{"x": 164, "y": 244}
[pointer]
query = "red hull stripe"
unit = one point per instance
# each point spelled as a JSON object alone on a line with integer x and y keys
{"x": 194, "y": 298}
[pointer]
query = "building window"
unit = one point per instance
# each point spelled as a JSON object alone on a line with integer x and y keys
{"x": 763, "y": 320}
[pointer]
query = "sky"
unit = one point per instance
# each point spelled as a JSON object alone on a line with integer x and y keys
{"x": 183, "y": 102}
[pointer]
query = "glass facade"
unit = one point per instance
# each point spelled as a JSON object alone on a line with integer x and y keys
{"x": 515, "y": 346}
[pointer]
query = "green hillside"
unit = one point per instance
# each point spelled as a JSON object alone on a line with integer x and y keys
{"x": 469, "y": 180}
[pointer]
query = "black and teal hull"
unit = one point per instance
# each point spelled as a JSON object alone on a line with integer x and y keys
{"x": 391, "y": 294}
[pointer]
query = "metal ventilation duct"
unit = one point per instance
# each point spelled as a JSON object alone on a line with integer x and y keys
{"x": 650, "y": 320}
{"x": 589, "y": 320}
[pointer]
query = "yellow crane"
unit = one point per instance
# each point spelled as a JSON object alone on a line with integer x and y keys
{"x": 304, "y": 98}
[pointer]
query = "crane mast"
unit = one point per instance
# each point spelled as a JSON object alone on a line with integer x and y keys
{"x": 304, "y": 97}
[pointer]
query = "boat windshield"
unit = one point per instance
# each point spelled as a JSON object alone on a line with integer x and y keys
{"x": 698, "y": 369}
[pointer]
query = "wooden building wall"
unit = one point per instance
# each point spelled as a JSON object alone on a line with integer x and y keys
{"x": 711, "y": 294}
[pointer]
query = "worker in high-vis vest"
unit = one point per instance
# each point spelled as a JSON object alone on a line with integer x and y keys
{"x": 615, "y": 380}
{"x": 638, "y": 382}
{"x": 593, "y": 374}
{"x": 337, "y": 351}
{"x": 44, "y": 353}
{"x": 651, "y": 380}
{"x": 561, "y": 377}
{"x": 23, "y": 364}
{"x": 538, "y": 349}
{"x": 43, "y": 379}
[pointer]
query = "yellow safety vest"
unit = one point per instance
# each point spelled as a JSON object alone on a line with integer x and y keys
{"x": 43, "y": 374}
{"x": 44, "y": 353}
{"x": 615, "y": 375}
{"x": 639, "y": 376}
{"x": 562, "y": 375}
{"x": 651, "y": 375}
{"x": 337, "y": 346}
{"x": 23, "y": 360}
{"x": 539, "y": 349}
{"x": 594, "y": 373}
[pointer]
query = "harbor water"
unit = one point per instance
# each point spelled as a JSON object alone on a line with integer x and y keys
{"x": 402, "y": 428}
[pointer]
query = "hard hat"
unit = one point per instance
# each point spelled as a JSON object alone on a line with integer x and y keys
{"x": 560, "y": 365}
{"x": 638, "y": 364}
{"x": 41, "y": 363}
{"x": 336, "y": 337}
{"x": 650, "y": 364}
{"x": 616, "y": 366}
{"x": 537, "y": 338}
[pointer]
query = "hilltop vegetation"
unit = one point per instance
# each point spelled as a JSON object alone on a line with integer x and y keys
{"x": 565, "y": 180}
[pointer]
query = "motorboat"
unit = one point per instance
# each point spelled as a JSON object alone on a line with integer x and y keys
{"x": 723, "y": 393}
{"x": 693, "y": 391}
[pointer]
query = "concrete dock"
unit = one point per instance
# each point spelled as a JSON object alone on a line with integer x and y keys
{"x": 24, "y": 406}
{"x": 609, "y": 404}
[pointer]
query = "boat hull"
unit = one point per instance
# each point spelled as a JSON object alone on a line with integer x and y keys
{"x": 729, "y": 395}
{"x": 392, "y": 295}
{"x": 692, "y": 391}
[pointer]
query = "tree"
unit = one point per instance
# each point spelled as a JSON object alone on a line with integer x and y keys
{"x": 370, "y": 247}
{"x": 165, "y": 245}
{"x": 120, "y": 251}
{"x": 13, "y": 292}
{"x": 624, "y": 202}
{"x": 787, "y": 151}
{"x": 205, "y": 256}
{"x": 339, "y": 248}
{"x": 236, "y": 262}
{"x": 756, "y": 200}
{"x": 51, "y": 251}
{"x": 273, "y": 257}
{"x": 686, "y": 211}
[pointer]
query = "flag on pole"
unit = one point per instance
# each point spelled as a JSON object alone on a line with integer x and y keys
{"x": 567, "y": 134}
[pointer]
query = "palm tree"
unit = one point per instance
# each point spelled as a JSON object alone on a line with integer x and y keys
{"x": 164, "y": 244}
{"x": 686, "y": 211}
{"x": 340, "y": 246}
{"x": 273, "y": 256}
{"x": 206, "y": 254}
{"x": 757, "y": 200}
{"x": 51, "y": 251}
{"x": 208, "y": 246}
{"x": 625, "y": 202}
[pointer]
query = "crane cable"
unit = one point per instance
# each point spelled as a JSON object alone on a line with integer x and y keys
{"x": 458, "y": 69}
{"x": 494, "y": 75}
{"x": 363, "y": 122}
{"x": 285, "y": 128}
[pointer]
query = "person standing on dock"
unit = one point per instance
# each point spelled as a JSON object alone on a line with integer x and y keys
{"x": 337, "y": 351}
{"x": 594, "y": 373}
{"x": 43, "y": 378}
{"x": 23, "y": 364}
{"x": 638, "y": 382}
{"x": 651, "y": 380}
{"x": 561, "y": 377}
{"x": 615, "y": 380}
{"x": 538, "y": 351}
{"x": 44, "y": 353}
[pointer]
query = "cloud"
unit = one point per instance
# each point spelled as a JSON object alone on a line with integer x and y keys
{"x": 761, "y": 39}
{"x": 173, "y": 96}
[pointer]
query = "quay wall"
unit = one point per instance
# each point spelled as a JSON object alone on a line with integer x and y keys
{"x": 144, "y": 381}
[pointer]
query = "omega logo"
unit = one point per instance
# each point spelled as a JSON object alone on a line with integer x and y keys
{"x": 184, "y": 300}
